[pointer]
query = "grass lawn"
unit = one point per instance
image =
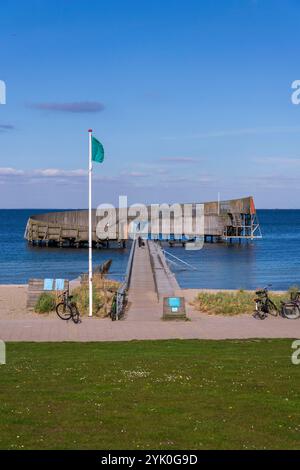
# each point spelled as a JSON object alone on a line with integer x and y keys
{"x": 150, "y": 395}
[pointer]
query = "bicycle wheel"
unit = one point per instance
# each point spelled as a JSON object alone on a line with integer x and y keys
{"x": 113, "y": 310}
{"x": 272, "y": 309}
{"x": 259, "y": 314}
{"x": 75, "y": 313}
{"x": 63, "y": 311}
{"x": 290, "y": 310}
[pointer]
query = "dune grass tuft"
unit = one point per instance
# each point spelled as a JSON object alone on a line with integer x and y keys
{"x": 103, "y": 292}
{"x": 45, "y": 303}
{"x": 230, "y": 303}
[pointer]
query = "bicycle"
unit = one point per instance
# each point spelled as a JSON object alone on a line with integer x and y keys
{"x": 291, "y": 309}
{"x": 67, "y": 309}
{"x": 264, "y": 306}
{"x": 114, "y": 305}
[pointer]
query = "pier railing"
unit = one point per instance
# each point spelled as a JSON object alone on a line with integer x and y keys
{"x": 164, "y": 279}
{"x": 122, "y": 291}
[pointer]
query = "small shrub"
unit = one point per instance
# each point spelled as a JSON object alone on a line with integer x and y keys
{"x": 46, "y": 303}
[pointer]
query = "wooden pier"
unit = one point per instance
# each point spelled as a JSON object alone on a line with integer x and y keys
{"x": 151, "y": 280}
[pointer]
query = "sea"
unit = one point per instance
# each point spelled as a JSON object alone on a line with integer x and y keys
{"x": 273, "y": 260}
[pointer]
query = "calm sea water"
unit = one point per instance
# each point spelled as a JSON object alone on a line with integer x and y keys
{"x": 273, "y": 260}
{"x": 20, "y": 261}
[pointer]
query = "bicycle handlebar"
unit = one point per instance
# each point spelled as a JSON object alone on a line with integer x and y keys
{"x": 63, "y": 294}
{"x": 264, "y": 290}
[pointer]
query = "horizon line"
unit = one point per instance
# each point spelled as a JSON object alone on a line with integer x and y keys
{"x": 86, "y": 208}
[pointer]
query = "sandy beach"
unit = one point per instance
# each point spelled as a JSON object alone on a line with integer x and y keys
{"x": 13, "y": 302}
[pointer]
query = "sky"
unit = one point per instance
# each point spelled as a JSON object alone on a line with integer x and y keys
{"x": 189, "y": 99}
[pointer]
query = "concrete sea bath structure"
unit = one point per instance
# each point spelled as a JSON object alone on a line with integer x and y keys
{"x": 223, "y": 220}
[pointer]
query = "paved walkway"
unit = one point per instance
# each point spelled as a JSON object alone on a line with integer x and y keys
{"x": 105, "y": 330}
{"x": 200, "y": 326}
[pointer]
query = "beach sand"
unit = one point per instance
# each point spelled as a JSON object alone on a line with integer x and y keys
{"x": 13, "y": 299}
{"x": 13, "y": 302}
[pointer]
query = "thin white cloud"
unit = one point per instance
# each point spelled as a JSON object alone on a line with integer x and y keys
{"x": 271, "y": 181}
{"x": 59, "y": 175}
{"x": 151, "y": 170}
{"x": 198, "y": 179}
{"x": 135, "y": 174}
{"x": 55, "y": 172}
{"x": 285, "y": 161}
{"x": 239, "y": 132}
{"x": 79, "y": 176}
{"x": 6, "y": 171}
{"x": 178, "y": 160}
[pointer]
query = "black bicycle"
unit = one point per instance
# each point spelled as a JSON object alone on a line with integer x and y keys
{"x": 264, "y": 306}
{"x": 291, "y": 309}
{"x": 67, "y": 309}
{"x": 114, "y": 314}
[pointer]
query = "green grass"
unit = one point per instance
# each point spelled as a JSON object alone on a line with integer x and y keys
{"x": 150, "y": 395}
{"x": 230, "y": 303}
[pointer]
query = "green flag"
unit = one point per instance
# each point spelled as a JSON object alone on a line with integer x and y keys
{"x": 97, "y": 151}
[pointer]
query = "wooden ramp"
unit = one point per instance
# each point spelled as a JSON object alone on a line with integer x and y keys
{"x": 151, "y": 279}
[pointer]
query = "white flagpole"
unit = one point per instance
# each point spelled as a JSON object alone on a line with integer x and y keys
{"x": 90, "y": 228}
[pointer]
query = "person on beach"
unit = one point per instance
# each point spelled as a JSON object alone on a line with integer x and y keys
{"x": 141, "y": 242}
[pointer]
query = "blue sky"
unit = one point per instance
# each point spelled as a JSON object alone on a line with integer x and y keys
{"x": 188, "y": 98}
